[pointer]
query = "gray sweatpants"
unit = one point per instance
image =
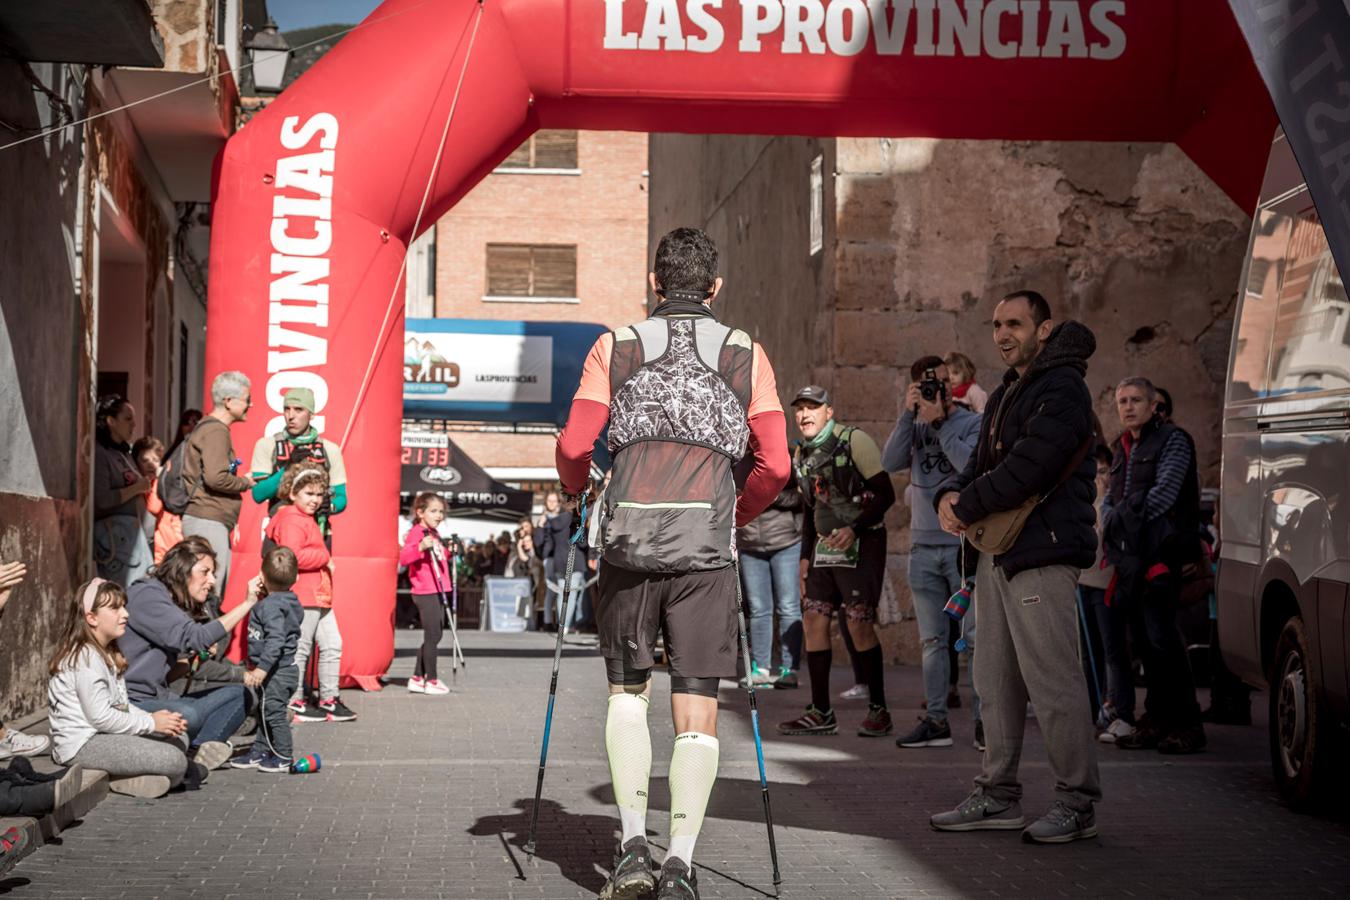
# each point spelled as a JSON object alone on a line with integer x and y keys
{"x": 218, "y": 536}
{"x": 1029, "y": 650}
{"x": 129, "y": 755}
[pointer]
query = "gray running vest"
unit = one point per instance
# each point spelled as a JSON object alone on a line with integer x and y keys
{"x": 679, "y": 391}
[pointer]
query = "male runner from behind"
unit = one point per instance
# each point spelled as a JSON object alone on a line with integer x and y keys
{"x": 684, "y": 395}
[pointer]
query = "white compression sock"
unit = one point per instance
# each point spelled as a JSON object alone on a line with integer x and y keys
{"x": 693, "y": 769}
{"x": 630, "y": 760}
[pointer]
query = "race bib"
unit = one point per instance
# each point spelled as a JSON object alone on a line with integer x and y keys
{"x": 825, "y": 556}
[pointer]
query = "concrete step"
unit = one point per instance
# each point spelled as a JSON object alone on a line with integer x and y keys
{"x": 93, "y": 789}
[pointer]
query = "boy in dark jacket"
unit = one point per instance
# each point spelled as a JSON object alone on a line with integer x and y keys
{"x": 1034, "y": 446}
{"x": 273, "y": 631}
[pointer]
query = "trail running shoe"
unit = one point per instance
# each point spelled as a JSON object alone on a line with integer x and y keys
{"x": 786, "y": 680}
{"x": 877, "y": 723}
{"x": 928, "y": 733}
{"x": 678, "y": 881}
{"x": 979, "y": 736}
{"x": 857, "y": 692}
{"x": 1061, "y": 825}
{"x": 1184, "y": 741}
{"x": 335, "y": 710}
{"x": 813, "y": 722}
{"x": 633, "y": 877}
{"x": 980, "y": 812}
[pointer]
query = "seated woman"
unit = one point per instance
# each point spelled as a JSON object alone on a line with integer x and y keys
{"x": 162, "y": 629}
{"x": 93, "y": 723}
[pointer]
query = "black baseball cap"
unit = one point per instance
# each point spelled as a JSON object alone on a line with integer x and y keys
{"x": 812, "y": 393}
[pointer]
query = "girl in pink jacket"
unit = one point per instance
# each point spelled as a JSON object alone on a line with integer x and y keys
{"x": 426, "y": 561}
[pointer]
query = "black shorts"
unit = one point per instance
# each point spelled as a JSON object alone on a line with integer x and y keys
{"x": 857, "y": 590}
{"x": 696, "y": 612}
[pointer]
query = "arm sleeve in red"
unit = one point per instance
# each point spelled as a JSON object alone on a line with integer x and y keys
{"x": 585, "y": 421}
{"x": 768, "y": 443}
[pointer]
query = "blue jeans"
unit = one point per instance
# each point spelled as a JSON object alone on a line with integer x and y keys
{"x": 934, "y": 575}
{"x": 211, "y": 715}
{"x": 772, "y": 584}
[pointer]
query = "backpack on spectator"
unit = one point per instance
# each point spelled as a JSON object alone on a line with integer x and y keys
{"x": 173, "y": 488}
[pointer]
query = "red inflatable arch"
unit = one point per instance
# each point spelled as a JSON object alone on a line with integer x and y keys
{"x": 317, "y": 197}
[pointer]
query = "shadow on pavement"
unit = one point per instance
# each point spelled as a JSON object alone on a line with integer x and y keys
{"x": 573, "y": 842}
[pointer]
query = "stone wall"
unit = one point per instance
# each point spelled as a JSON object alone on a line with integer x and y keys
{"x": 44, "y": 379}
{"x": 924, "y": 236}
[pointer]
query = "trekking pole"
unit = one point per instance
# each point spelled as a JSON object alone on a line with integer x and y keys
{"x": 455, "y": 655}
{"x": 553, "y": 683}
{"x": 754, "y": 722}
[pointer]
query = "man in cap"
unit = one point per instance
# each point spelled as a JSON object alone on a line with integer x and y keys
{"x": 843, "y": 565}
{"x": 297, "y": 442}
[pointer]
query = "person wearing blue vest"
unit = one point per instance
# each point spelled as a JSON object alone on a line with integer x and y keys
{"x": 684, "y": 397}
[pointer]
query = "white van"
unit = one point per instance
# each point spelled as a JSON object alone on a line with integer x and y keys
{"x": 1285, "y": 500}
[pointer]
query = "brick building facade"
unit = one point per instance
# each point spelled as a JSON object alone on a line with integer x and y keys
{"x": 590, "y": 195}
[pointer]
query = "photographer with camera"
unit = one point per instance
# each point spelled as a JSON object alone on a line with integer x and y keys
{"x": 934, "y": 439}
{"x": 297, "y": 442}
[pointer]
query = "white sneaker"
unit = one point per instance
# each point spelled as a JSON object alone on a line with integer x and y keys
{"x": 1118, "y": 729}
{"x": 435, "y": 686}
{"x": 857, "y": 692}
{"x": 417, "y": 685}
{"x": 16, "y": 743}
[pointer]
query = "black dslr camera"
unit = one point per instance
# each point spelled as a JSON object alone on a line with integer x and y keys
{"x": 932, "y": 388}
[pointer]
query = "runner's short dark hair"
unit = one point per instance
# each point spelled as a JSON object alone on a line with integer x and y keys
{"x": 280, "y": 568}
{"x": 1040, "y": 307}
{"x": 686, "y": 260}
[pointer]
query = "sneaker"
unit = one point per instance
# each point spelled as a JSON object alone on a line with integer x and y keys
{"x": 67, "y": 786}
{"x": 417, "y": 685}
{"x": 786, "y": 680}
{"x": 1118, "y": 729}
{"x": 928, "y": 733}
{"x": 251, "y": 761}
{"x": 1061, "y": 825}
{"x": 309, "y": 712}
{"x": 857, "y": 692}
{"x": 980, "y": 812}
{"x": 759, "y": 676}
{"x": 877, "y": 723}
{"x": 274, "y": 764}
{"x": 678, "y": 881}
{"x": 297, "y": 705}
{"x": 1143, "y": 737}
{"x": 632, "y": 878}
{"x": 16, "y": 743}
{"x": 433, "y": 686}
{"x": 147, "y": 786}
{"x": 213, "y": 754}
{"x": 813, "y": 722}
{"x": 979, "y": 743}
{"x": 1183, "y": 742}
{"x": 335, "y": 710}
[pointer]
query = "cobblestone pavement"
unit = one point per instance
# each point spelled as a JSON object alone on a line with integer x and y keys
{"x": 429, "y": 797}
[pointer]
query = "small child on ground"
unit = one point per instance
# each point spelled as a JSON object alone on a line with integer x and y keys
{"x": 426, "y": 559}
{"x": 273, "y": 632}
{"x": 303, "y": 490}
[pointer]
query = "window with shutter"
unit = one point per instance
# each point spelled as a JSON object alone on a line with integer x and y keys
{"x": 546, "y": 151}
{"x": 531, "y": 272}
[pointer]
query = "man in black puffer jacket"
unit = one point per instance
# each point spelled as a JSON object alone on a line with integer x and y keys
{"x": 1032, "y": 443}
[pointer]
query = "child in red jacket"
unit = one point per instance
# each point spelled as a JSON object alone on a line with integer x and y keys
{"x": 426, "y": 560}
{"x": 304, "y": 487}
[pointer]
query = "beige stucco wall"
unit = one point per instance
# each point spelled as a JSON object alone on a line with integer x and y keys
{"x": 922, "y": 238}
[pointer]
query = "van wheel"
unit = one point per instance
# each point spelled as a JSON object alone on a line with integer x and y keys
{"x": 1299, "y": 738}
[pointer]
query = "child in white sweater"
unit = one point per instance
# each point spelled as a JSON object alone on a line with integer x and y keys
{"x": 92, "y": 721}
